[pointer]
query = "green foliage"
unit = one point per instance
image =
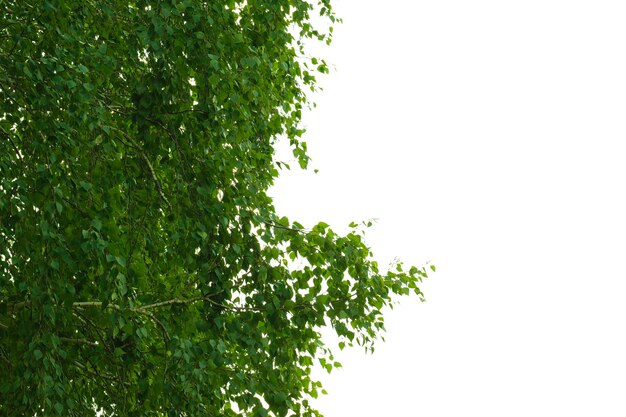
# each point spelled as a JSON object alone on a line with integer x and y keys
{"x": 143, "y": 269}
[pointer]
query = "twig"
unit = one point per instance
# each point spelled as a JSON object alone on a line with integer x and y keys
{"x": 95, "y": 328}
{"x": 96, "y": 373}
{"x": 6, "y": 359}
{"x": 18, "y": 154}
{"x": 78, "y": 341}
{"x": 236, "y": 308}
{"x": 171, "y": 302}
{"x": 166, "y": 334}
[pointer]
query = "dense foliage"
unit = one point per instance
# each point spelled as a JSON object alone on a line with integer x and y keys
{"x": 143, "y": 269}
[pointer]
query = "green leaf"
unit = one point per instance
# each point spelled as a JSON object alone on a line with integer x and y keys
{"x": 96, "y": 223}
{"x": 85, "y": 185}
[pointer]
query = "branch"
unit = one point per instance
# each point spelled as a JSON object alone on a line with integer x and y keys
{"x": 138, "y": 310}
{"x": 148, "y": 163}
{"x": 141, "y": 309}
{"x": 166, "y": 335}
{"x": 80, "y": 304}
{"x": 98, "y": 374}
{"x": 18, "y": 154}
{"x": 95, "y": 328}
{"x": 236, "y": 308}
{"x": 144, "y": 310}
{"x": 6, "y": 359}
{"x": 174, "y": 139}
{"x": 171, "y": 302}
{"x": 78, "y": 341}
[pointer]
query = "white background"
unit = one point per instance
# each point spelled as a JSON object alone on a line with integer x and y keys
{"x": 488, "y": 138}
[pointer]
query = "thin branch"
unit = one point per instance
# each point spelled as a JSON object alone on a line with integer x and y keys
{"x": 148, "y": 163}
{"x": 79, "y": 305}
{"x": 3, "y": 355}
{"x": 171, "y": 302}
{"x": 98, "y": 374}
{"x": 191, "y": 110}
{"x": 236, "y": 308}
{"x": 126, "y": 111}
{"x": 87, "y": 304}
{"x": 76, "y": 207}
{"x": 141, "y": 310}
{"x": 173, "y": 138}
{"x": 144, "y": 310}
{"x": 95, "y": 328}
{"x": 18, "y": 154}
{"x": 166, "y": 335}
{"x": 78, "y": 341}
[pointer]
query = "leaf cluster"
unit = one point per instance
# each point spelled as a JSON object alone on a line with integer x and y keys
{"x": 143, "y": 268}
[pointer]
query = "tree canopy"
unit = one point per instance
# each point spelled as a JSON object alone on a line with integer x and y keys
{"x": 144, "y": 270}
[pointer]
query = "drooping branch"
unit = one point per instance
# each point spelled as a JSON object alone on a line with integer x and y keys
{"x": 138, "y": 148}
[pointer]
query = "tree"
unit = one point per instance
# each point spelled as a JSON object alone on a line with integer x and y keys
{"x": 143, "y": 268}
